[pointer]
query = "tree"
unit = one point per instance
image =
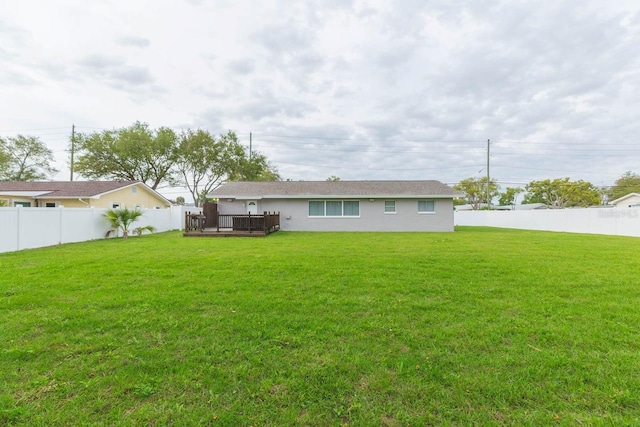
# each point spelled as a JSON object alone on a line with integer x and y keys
{"x": 509, "y": 196}
{"x": 562, "y": 193}
{"x": 180, "y": 200}
{"x": 136, "y": 153}
{"x": 204, "y": 162}
{"x": 629, "y": 182}
{"x": 25, "y": 158}
{"x": 475, "y": 190}
{"x": 255, "y": 168}
{"x": 122, "y": 219}
{"x": 333, "y": 178}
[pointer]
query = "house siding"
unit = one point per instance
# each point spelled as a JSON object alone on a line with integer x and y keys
{"x": 294, "y": 215}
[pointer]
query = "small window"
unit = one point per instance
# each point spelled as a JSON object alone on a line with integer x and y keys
{"x": 316, "y": 208}
{"x": 390, "y": 206}
{"x": 334, "y": 208}
{"x": 351, "y": 208}
{"x": 425, "y": 206}
{"x": 134, "y": 189}
{"x": 51, "y": 205}
{"x": 23, "y": 204}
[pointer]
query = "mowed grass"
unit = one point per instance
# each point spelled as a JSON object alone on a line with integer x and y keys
{"x": 481, "y": 326}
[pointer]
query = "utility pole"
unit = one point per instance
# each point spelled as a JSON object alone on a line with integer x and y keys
{"x": 488, "y": 175}
{"x": 73, "y": 148}
{"x": 250, "y": 143}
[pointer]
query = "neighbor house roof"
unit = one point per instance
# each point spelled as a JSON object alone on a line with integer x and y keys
{"x": 67, "y": 189}
{"x": 353, "y": 189}
{"x": 623, "y": 198}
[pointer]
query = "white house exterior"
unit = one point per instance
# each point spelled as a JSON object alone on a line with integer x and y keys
{"x": 628, "y": 201}
{"x": 344, "y": 205}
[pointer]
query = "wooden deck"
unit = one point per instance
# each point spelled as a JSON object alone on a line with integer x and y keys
{"x": 243, "y": 225}
{"x": 214, "y": 232}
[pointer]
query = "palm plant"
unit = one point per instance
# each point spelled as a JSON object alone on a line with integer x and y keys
{"x": 121, "y": 219}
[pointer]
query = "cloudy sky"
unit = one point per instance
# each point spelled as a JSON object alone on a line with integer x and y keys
{"x": 372, "y": 89}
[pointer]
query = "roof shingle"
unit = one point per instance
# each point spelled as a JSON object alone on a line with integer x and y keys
{"x": 66, "y": 189}
{"x": 292, "y": 189}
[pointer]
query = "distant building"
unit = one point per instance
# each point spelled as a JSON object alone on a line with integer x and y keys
{"x": 628, "y": 201}
{"x": 81, "y": 194}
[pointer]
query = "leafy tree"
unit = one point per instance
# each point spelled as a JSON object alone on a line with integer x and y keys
{"x": 256, "y": 168}
{"x": 333, "y": 178}
{"x": 562, "y": 193}
{"x": 629, "y": 182}
{"x": 136, "y": 153}
{"x": 475, "y": 190}
{"x": 205, "y": 162}
{"x": 509, "y": 196}
{"x": 122, "y": 219}
{"x": 25, "y": 158}
{"x": 5, "y": 158}
{"x": 180, "y": 200}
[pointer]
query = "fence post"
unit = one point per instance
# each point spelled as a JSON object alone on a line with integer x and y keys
{"x": 60, "y": 240}
{"x": 19, "y": 214}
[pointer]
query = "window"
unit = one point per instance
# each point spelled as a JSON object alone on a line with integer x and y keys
{"x": 134, "y": 189}
{"x": 389, "y": 206}
{"x": 351, "y": 208}
{"x": 334, "y": 208}
{"x": 316, "y": 208}
{"x": 426, "y": 206}
{"x": 50, "y": 205}
{"x": 23, "y": 204}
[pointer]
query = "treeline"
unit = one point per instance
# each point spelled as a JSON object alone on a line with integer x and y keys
{"x": 193, "y": 159}
{"x": 555, "y": 193}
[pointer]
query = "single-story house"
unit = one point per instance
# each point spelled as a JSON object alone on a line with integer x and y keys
{"x": 628, "y": 201}
{"x": 344, "y": 205}
{"x": 81, "y": 194}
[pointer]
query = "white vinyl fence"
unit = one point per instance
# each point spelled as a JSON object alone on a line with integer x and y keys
{"x": 614, "y": 221}
{"x": 27, "y": 228}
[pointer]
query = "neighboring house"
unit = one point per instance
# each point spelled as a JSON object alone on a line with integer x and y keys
{"x": 628, "y": 201}
{"x": 344, "y": 205}
{"x": 81, "y": 194}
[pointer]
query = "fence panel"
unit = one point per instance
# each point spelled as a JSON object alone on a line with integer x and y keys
{"x": 81, "y": 224}
{"x": 613, "y": 221}
{"x": 39, "y": 227}
{"x": 27, "y": 228}
{"x": 9, "y": 236}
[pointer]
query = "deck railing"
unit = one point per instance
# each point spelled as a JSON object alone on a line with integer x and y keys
{"x": 267, "y": 222}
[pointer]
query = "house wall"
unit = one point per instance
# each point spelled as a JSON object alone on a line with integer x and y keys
{"x": 294, "y": 215}
{"x": 130, "y": 197}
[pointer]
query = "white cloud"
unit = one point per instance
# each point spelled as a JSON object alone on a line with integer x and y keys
{"x": 360, "y": 89}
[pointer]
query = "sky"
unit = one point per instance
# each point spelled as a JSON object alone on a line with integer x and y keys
{"x": 361, "y": 90}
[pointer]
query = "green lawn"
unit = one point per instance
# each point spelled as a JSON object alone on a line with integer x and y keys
{"x": 481, "y": 326}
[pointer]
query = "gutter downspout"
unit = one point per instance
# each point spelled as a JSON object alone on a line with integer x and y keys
{"x": 82, "y": 201}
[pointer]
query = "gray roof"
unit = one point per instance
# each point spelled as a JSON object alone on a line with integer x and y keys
{"x": 354, "y": 189}
{"x": 66, "y": 189}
